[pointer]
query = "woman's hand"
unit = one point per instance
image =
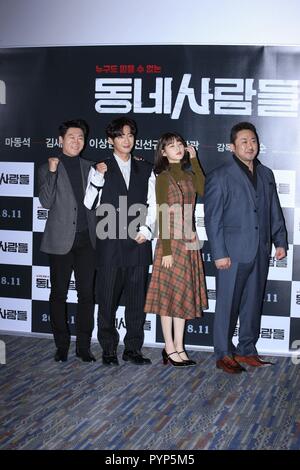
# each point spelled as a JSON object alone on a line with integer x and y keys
{"x": 167, "y": 261}
{"x": 191, "y": 151}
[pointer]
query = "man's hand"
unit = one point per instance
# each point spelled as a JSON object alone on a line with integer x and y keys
{"x": 53, "y": 163}
{"x": 280, "y": 253}
{"x": 223, "y": 263}
{"x": 140, "y": 238}
{"x": 167, "y": 261}
{"x": 101, "y": 168}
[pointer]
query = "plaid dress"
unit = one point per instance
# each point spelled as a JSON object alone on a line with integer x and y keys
{"x": 178, "y": 291}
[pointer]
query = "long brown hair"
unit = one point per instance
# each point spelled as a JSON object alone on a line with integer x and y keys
{"x": 161, "y": 162}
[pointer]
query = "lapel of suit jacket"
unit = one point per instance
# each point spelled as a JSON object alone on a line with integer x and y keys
{"x": 133, "y": 173}
{"x": 262, "y": 183}
{"x": 85, "y": 168}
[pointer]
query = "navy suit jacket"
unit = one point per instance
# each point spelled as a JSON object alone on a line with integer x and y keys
{"x": 239, "y": 219}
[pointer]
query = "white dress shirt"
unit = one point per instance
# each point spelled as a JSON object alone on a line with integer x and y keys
{"x": 125, "y": 168}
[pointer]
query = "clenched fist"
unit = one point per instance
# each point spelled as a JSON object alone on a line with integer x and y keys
{"x": 101, "y": 167}
{"x": 53, "y": 163}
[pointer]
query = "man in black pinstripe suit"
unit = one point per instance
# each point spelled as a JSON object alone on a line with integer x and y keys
{"x": 115, "y": 186}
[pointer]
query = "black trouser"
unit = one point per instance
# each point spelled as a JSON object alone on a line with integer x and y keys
{"x": 112, "y": 281}
{"x": 81, "y": 259}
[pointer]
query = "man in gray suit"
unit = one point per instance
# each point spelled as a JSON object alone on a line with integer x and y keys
{"x": 243, "y": 218}
{"x": 69, "y": 239}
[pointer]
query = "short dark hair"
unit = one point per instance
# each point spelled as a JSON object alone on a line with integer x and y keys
{"x": 115, "y": 127}
{"x": 161, "y": 162}
{"x": 77, "y": 123}
{"x": 241, "y": 126}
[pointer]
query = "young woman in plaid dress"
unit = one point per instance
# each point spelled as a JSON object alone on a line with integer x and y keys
{"x": 177, "y": 288}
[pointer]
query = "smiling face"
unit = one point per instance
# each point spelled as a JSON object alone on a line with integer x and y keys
{"x": 174, "y": 151}
{"x": 245, "y": 146}
{"x": 72, "y": 142}
{"x": 123, "y": 143}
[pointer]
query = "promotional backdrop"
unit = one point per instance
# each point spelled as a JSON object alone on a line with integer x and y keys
{"x": 198, "y": 91}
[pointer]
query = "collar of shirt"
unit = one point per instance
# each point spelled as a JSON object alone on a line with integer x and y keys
{"x": 252, "y": 177}
{"x": 121, "y": 162}
{"x": 65, "y": 157}
{"x": 245, "y": 167}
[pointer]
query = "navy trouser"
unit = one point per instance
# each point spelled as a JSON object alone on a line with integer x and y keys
{"x": 240, "y": 292}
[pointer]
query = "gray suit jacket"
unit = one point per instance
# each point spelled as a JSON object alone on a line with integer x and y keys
{"x": 238, "y": 218}
{"x": 56, "y": 194}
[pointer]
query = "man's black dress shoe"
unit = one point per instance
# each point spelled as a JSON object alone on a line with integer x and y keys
{"x": 61, "y": 355}
{"x": 135, "y": 357}
{"x": 110, "y": 359}
{"x": 85, "y": 355}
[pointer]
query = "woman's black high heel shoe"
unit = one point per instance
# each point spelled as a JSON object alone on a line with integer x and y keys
{"x": 189, "y": 362}
{"x": 166, "y": 358}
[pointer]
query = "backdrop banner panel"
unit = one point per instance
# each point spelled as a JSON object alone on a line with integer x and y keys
{"x": 198, "y": 91}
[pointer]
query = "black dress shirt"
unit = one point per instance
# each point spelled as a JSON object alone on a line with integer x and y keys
{"x": 252, "y": 176}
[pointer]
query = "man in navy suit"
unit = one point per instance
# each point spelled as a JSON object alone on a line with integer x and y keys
{"x": 243, "y": 218}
